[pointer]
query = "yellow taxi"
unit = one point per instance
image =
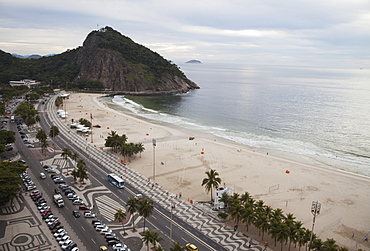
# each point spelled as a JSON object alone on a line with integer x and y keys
{"x": 103, "y": 248}
{"x": 191, "y": 247}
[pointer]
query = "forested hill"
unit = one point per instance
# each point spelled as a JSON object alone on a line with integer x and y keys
{"x": 107, "y": 59}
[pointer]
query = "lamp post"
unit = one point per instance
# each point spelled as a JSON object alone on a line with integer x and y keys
{"x": 172, "y": 207}
{"x": 154, "y": 145}
{"x": 91, "y": 128}
{"x": 315, "y": 210}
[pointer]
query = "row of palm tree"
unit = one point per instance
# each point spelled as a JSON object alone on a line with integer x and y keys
{"x": 118, "y": 144}
{"x": 282, "y": 228}
{"x": 81, "y": 170}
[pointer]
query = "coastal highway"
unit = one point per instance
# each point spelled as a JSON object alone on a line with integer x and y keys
{"x": 159, "y": 221}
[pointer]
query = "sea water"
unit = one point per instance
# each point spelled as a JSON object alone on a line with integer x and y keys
{"x": 315, "y": 115}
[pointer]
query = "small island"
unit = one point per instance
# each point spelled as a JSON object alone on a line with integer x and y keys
{"x": 193, "y": 62}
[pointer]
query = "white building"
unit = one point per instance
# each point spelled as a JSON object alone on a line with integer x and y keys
{"x": 218, "y": 195}
{"x": 25, "y": 82}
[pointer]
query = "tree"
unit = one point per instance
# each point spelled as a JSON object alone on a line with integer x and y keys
{"x": 10, "y": 180}
{"x": 132, "y": 208}
{"x": 41, "y": 135}
{"x": 177, "y": 247}
{"x": 140, "y": 148}
{"x": 54, "y": 131}
{"x": 145, "y": 209}
{"x": 151, "y": 237}
{"x": 44, "y": 145}
{"x": 82, "y": 170}
{"x": 66, "y": 152}
{"x": 155, "y": 238}
{"x": 236, "y": 212}
{"x": 120, "y": 216}
{"x": 212, "y": 181}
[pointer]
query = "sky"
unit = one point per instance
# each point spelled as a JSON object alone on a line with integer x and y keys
{"x": 317, "y": 33}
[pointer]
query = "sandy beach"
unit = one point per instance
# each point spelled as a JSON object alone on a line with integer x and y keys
{"x": 180, "y": 166}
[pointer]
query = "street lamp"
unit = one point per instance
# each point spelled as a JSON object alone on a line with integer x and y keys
{"x": 315, "y": 210}
{"x": 154, "y": 144}
{"x": 91, "y": 128}
{"x": 172, "y": 207}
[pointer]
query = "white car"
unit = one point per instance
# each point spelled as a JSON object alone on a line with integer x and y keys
{"x": 78, "y": 202}
{"x": 66, "y": 244}
{"x": 106, "y": 231}
{"x": 64, "y": 239}
{"x": 119, "y": 247}
{"x": 62, "y": 233}
{"x": 102, "y": 228}
{"x": 89, "y": 215}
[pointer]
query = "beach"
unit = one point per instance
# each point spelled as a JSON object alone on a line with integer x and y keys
{"x": 181, "y": 163}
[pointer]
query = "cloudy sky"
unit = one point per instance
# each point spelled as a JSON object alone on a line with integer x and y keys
{"x": 333, "y": 33}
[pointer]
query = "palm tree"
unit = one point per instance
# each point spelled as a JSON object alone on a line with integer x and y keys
{"x": 82, "y": 170}
{"x": 245, "y": 197}
{"x": 120, "y": 216}
{"x": 212, "y": 181}
{"x": 140, "y": 148}
{"x": 74, "y": 174}
{"x": 147, "y": 238}
{"x": 54, "y": 131}
{"x": 132, "y": 207}
{"x": 225, "y": 198}
{"x": 44, "y": 145}
{"x": 329, "y": 245}
{"x": 282, "y": 233}
{"x": 41, "y": 135}
{"x": 177, "y": 247}
{"x": 262, "y": 223}
{"x": 66, "y": 152}
{"x": 145, "y": 209}
{"x": 236, "y": 212}
{"x": 159, "y": 248}
{"x": 74, "y": 156}
{"x": 155, "y": 238}
{"x": 248, "y": 215}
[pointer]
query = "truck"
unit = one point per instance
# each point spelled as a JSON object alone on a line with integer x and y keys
{"x": 58, "y": 199}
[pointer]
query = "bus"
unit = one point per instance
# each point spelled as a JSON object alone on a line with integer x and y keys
{"x": 116, "y": 180}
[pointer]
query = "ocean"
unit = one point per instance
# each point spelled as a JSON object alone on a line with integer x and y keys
{"x": 317, "y": 116}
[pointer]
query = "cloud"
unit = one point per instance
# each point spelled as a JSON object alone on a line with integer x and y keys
{"x": 320, "y": 31}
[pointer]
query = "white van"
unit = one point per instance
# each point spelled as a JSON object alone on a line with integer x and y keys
{"x": 42, "y": 176}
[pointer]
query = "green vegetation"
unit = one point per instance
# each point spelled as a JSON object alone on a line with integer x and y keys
{"x": 64, "y": 70}
{"x": 212, "y": 181}
{"x": 10, "y": 180}
{"x": 28, "y": 113}
{"x": 132, "y": 208}
{"x": 55, "y": 70}
{"x": 120, "y": 216}
{"x": 118, "y": 143}
{"x": 84, "y": 122}
{"x": 151, "y": 237}
{"x": 282, "y": 228}
{"x": 145, "y": 209}
{"x": 6, "y": 137}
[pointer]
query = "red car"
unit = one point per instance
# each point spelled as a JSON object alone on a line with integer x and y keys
{"x": 83, "y": 207}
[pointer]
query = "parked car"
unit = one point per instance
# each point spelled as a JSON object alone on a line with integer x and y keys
{"x": 78, "y": 202}
{"x": 113, "y": 242}
{"x": 83, "y": 207}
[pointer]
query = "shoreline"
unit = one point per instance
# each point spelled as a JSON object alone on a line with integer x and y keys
{"x": 180, "y": 167}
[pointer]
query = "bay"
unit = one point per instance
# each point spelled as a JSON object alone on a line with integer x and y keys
{"x": 314, "y": 115}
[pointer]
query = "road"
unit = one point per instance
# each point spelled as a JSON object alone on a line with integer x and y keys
{"x": 99, "y": 167}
